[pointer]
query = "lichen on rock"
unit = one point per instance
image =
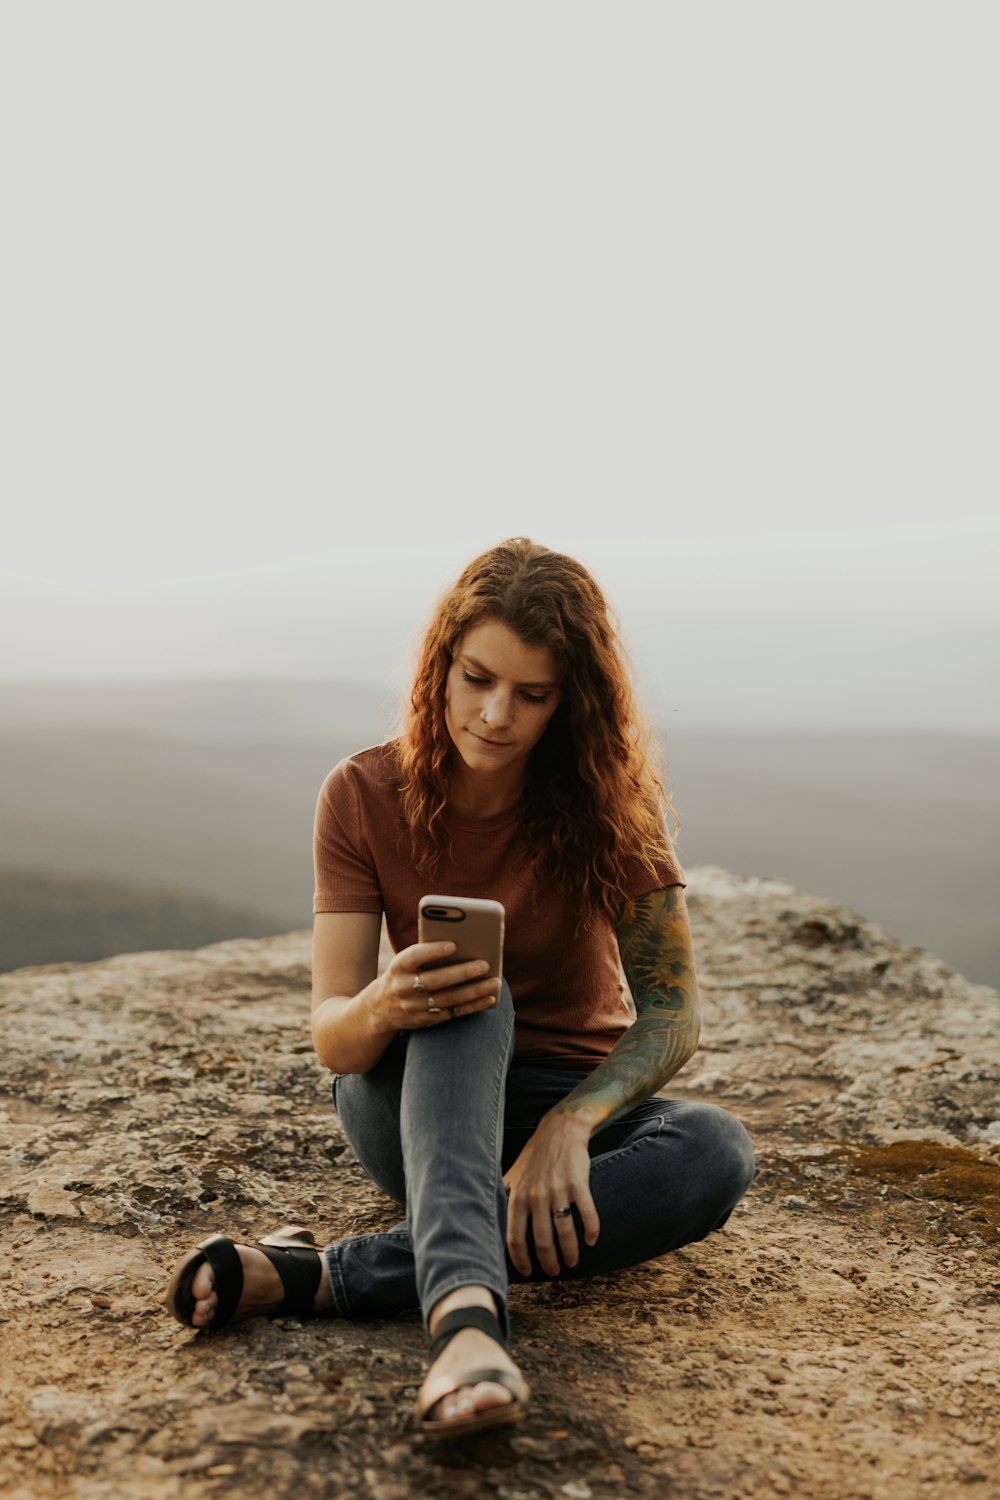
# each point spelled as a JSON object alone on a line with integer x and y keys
{"x": 839, "y": 1336}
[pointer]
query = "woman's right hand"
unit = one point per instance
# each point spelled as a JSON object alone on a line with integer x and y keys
{"x": 455, "y": 989}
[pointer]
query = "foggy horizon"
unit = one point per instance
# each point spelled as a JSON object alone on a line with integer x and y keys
{"x": 725, "y": 341}
{"x": 713, "y": 672}
{"x": 212, "y": 788}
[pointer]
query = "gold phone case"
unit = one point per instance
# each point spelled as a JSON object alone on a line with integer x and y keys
{"x": 476, "y": 925}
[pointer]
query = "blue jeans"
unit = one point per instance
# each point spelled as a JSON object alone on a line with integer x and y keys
{"x": 444, "y": 1114}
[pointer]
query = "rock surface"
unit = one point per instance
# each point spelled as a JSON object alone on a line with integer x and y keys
{"x": 837, "y": 1339}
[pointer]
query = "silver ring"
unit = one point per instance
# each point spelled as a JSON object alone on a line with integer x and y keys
{"x": 432, "y": 1009}
{"x": 419, "y": 986}
{"x": 562, "y": 1213}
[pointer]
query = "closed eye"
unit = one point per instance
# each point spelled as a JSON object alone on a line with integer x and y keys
{"x": 484, "y": 682}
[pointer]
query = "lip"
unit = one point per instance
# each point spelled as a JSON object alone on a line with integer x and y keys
{"x": 491, "y": 744}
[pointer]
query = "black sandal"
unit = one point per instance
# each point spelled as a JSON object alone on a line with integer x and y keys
{"x": 293, "y": 1254}
{"x": 478, "y": 1421}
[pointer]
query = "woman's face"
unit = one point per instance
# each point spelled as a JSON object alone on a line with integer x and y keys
{"x": 500, "y": 696}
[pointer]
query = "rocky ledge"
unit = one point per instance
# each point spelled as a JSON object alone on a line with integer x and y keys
{"x": 838, "y": 1338}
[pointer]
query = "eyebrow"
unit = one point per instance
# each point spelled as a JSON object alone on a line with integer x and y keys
{"x": 481, "y": 667}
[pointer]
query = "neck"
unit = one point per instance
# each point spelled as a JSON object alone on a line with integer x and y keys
{"x": 483, "y": 796}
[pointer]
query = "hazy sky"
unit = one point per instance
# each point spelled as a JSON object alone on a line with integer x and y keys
{"x": 304, "y": 304}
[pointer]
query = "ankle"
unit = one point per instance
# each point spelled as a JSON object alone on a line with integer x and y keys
{"x": 462, "y": 1296}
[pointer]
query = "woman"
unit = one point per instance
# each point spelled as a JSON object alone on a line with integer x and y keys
{"x": 515, "y": 1122}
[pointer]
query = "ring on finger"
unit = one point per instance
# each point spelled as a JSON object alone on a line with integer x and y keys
{"x": 419, "y": 987}
{"x": 432, "y": 1007}
{"x": 562, "y": 1213}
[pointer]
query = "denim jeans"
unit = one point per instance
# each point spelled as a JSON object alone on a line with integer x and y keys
{"x": 444, "y": 1114}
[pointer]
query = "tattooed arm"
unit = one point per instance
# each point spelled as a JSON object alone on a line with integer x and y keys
{"x": 654, "y": 939}
{"x": 553, "y": 1170}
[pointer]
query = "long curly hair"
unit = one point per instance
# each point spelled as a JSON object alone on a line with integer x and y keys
{"x": 594, "y": 796}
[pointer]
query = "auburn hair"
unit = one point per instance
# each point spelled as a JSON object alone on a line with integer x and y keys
{"x": 594, "y": 799}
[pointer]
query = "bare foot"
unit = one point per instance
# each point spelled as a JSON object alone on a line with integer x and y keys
{"x": 262, "y": 1289}
{"x": 470, "y": 1349}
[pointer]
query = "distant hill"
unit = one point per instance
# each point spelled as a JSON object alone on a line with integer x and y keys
{"x": 213, "y": 787}
{"x": 49, "y": 917}
{"x": 232, "y": 820}
{"x": 205, "y": 712}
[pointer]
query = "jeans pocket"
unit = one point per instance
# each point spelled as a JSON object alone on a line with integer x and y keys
{"x": 645, "y": 1119}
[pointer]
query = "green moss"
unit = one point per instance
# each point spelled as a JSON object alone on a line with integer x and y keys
{"x": 951, "y": 1174}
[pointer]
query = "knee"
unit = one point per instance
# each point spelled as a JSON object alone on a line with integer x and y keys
{"x": 501, "y": 1014}
{"x": 497, "y": 1020}
{"x": 725, "y": 1151}
{"x": 490, "y": 1030}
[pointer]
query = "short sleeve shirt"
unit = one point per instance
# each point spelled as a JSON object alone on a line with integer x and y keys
{"x": 569, "y": 1003}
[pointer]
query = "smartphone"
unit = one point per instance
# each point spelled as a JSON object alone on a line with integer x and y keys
{"x": 475, "y": 925}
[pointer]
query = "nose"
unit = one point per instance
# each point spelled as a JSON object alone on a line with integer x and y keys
{"x": 496, "y": 711}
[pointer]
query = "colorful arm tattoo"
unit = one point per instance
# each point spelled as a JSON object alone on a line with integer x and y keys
{"x": 654, "y": 940}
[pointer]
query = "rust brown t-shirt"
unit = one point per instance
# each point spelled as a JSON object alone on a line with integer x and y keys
{"x": 568, "y": 999}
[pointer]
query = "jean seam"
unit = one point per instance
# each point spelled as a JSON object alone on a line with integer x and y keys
{"x": 499, "y": 1107}
{"x": 497, "y": 1272}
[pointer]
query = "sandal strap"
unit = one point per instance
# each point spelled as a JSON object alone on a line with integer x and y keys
{"x": 300, "y": 1269}
{"x": 465, "y": 1317}
{"x": 227, "y": 1267}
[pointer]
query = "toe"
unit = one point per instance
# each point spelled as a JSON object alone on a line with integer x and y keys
{"x": 204, "y": 1311}
{"x": 468, "y": 1399}
{"x": 205, "y": 1299}
{"x": 456, "y": 1405}
{"x": 203, "y": 1282}
{"x": 489, "y": 1394}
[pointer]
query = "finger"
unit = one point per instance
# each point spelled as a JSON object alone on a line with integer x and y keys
{"x": 589, "y": 1216}
{"x": 569, "y": 1245}
{"x": 406, "y": 976}
{"x": 407, "y": 981}
{"x": 456, "y": 1012}
{"x": 427, "y": 959}
{"x": 448, "y": 1001}
{"x": 469, "y": 1007}
{"x": 446, "y": 977}
{"x": 544, "y": 1237}
{"x": 417, "y": 955}
{"x": 422, "y": 1011}
{"x": 517, "y": 1237}
{"x": 470, "y": 996}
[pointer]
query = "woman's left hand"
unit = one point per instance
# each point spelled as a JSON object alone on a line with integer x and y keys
{"x": 551, "y": 1173}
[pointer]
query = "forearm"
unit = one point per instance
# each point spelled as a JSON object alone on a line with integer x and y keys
{"x": 347, "y": 1035}
{"x": 654, "y": 939}
{"x": 640, "y": 1063}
